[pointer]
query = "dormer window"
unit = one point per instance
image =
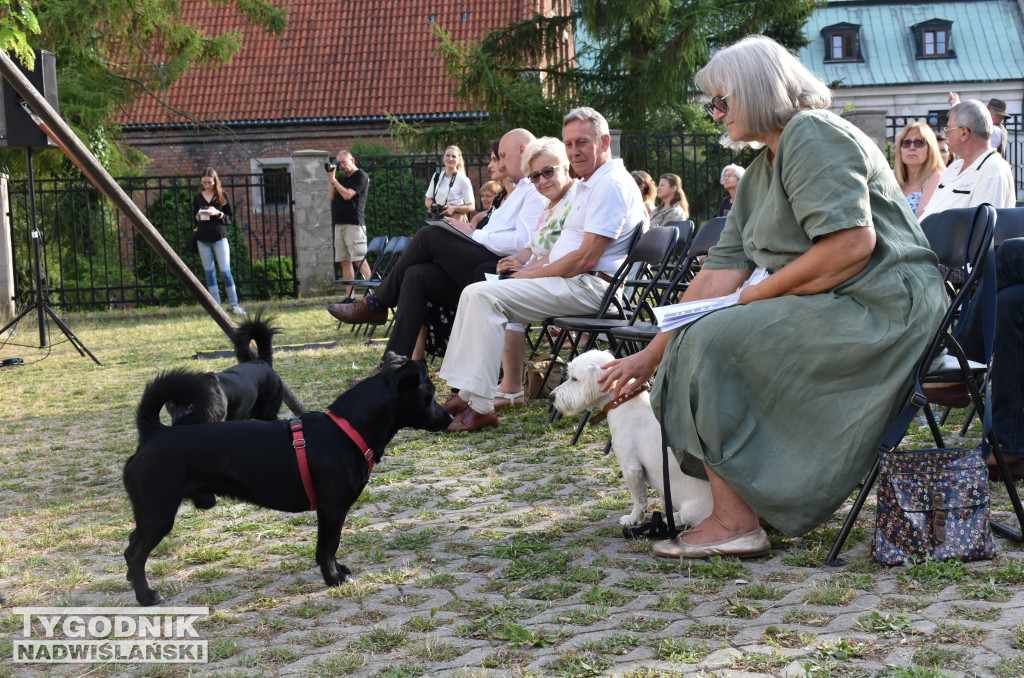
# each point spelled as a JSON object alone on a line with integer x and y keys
{"x": 932, "y": 39}
{"x": 842, "y": 43}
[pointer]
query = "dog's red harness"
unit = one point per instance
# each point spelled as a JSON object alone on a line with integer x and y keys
{"x": 299, "y": 443}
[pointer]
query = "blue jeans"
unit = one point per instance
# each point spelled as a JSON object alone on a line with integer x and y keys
{"x": 1008, "y": 349}
{"x": 219, "y": 249}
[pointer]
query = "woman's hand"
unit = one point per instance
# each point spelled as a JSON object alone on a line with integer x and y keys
{"x": 625, "y": 373}
{"x": 508, "y": 265}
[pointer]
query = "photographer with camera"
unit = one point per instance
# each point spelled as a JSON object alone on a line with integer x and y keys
{"x": 449, "y": 193}
{"x": 348, "y": 207}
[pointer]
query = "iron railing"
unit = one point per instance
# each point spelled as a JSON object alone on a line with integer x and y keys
{"x": 93, "y": 258}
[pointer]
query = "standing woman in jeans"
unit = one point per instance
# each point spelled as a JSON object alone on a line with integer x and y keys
{"x": 212, "y": 214}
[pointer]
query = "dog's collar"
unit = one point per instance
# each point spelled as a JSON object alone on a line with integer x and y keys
{"x": 356, "y": 438}
{"x": 299, "y": 443}
{"x": 603, "y": 414}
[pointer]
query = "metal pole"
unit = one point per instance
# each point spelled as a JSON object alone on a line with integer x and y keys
{"x": 37, "y": 250}
{"x": 56, "y": 129}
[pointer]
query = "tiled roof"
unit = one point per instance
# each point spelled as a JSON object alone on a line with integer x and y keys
{"x": 336, "y": 59}
{"x": 987, "y": 35}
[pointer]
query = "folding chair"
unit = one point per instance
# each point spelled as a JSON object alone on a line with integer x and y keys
{"x": 633, "y": 336}
{"x": 389, "y": 256}
{"x": 652, "y": 252}
{"x": 961, "y": 238}
{"x": 374, "y": 249}
{"x": 1009, "y": 224}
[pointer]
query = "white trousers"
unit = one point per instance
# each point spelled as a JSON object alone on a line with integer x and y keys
{"x": 473, "y": 359}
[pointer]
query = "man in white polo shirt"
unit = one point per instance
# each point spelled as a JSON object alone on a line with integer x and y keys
{"x": 980, "y": 175}
{"x": 595, "y": 239}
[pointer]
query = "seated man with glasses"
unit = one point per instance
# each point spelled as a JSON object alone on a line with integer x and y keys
{"x": 980, "y": 175}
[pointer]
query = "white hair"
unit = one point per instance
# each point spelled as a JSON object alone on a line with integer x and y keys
{"x": 549, "y": 145}
{"x": 973, "y": 115}
{"x": 588, "y": 114}
{"x": 736, "y": 169}
{"x": 763, "y": 83}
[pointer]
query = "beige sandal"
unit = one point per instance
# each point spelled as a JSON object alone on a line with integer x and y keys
{"x": 511, "y": 400}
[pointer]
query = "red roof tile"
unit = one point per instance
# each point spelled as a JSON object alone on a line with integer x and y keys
{"x": 336, "y": 59}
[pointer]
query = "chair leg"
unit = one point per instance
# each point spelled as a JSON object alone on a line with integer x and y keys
{"x": 579, "y": 428}
{"x": 934, "y": 426}
{"x": 1011, "y": 489}
{"x": 833, "y": 558}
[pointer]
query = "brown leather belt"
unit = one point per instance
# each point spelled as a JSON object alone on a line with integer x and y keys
{"x": 603, "y": 276}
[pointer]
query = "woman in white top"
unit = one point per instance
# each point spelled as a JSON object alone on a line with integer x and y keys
{"x": 546, "y": 165}
{"x": 449, "y": 193}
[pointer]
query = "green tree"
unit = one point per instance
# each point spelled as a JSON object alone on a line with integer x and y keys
{"x": 635, "y": 61}
{"x": 110, "y": 52}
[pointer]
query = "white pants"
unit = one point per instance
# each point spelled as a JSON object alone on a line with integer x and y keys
{"x": 473, "y": 359}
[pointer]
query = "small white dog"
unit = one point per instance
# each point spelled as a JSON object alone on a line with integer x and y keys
{"x": 636, "y": 439}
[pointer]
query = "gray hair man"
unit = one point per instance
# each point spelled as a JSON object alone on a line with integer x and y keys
{"x": 980, "y": 175}
{"x": 595, "y": 239}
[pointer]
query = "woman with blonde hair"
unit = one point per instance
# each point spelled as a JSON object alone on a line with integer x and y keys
{"x": 449, "y": 193}
{"x": 674, "y": 206}
{"x": 917, "y": 164}
{"x": 831, "y": 335}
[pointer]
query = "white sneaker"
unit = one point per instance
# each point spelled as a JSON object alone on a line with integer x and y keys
{"x": 237, "y": 310}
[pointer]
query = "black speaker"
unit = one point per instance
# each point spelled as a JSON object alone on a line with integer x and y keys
{"x": 17, "y": 129}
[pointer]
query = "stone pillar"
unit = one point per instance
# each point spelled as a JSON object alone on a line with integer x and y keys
{"x": 314, "y": 242}
{"x": 872, "y": 123}
{"x": 6, "y": 256}
{"x": 616, "y": 142}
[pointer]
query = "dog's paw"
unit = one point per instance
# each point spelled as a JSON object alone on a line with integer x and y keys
{"x": 631, "y": 520}
{"x": 150, "y": 598}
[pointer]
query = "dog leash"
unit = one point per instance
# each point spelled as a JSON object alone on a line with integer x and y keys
{"x": 299, "y": 443}
{"x": 603, "y": 414}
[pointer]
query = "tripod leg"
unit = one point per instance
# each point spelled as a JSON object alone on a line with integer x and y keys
{"x": 17, "y": 319}
{"x": 75, "y": 341}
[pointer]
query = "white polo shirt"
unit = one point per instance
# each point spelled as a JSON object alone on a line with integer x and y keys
{"x": 508, "y": 230}
{"x": 609, "y": 204}
{"x": 988, "y": 179}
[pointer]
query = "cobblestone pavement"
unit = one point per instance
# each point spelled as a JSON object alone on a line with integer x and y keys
{"x": 490, "y": 554}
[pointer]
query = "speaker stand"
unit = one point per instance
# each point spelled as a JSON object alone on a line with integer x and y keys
{"x": 40, "y": 304}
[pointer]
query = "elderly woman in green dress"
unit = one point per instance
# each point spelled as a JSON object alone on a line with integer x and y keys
{"x": 781, "y": 400}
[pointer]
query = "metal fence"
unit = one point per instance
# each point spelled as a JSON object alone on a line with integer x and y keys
{"x": 939, "y": 119}
{"x": 93, "y": 258}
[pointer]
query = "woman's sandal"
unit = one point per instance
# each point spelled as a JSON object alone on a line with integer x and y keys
{"x": 512, "y": 400}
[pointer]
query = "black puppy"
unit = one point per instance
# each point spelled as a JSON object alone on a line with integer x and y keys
{"x": 257, "y": 461}
{"x": 249, "y": 390}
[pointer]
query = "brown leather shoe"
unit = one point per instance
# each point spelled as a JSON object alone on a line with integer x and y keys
{"x": 1015, "y": 464}
{"x": 470, "y": 420}
{"x": 454, "y": 405}
{"x": 357, "y": 313}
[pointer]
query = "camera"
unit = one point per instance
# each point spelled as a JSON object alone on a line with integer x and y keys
{"x": 330, "y": 166}
{"x": 436, "y": 209}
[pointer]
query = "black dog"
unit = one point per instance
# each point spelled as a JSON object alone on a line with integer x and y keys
{"x": 256, "y": 461}
{"x": 249, "y": 390}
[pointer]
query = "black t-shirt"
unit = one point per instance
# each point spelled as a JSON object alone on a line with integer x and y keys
{"x": 351, "y": 211}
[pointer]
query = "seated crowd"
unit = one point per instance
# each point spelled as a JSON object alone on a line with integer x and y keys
{"x": 832, "y": 334}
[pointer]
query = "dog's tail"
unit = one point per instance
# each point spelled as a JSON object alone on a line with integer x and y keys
{"x": 192, "y": 397}
{"x": 259, "y": 330}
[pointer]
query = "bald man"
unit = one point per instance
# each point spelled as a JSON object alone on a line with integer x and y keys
{"x": 437, "y": 264}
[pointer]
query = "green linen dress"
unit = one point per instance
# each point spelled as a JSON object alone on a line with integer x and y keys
{"x": 786, "y": 399}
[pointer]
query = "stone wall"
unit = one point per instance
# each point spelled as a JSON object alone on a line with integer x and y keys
{"x": 314, "y": 243}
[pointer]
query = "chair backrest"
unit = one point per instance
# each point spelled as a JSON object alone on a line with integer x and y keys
{"x": 375, "y": 248}
{"x": 392, "y": 253}
{"x": 707, "y": 237}
{"x": 1009, "y": 224}
{"x": 652, "y": 251}
{"x": 701, "y": 242}
{"x": 961, "y": 239}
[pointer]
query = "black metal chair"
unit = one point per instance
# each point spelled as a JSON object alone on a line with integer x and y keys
{"x": 632, "y": 337}
{"x": 374, "y": 250}
{"x": 1009, "y": 224}
{"x": 390, "y": 255}
{"x": 962, "y": 239}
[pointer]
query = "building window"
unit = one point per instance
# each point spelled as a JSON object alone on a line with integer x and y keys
{"x": 270, "y": 183}
{"x": 933, "y": 39}
{"x": 844, "y": 46}
{"x": 842, "y": 43}
{"x": 935, "y": 42}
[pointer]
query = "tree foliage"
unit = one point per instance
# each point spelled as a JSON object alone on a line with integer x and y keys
{"x": 635, "y": 61}
{"x": 110, "y": 52}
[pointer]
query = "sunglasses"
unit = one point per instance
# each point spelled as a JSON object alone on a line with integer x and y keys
{"x": 947, "y": 130}
{"x": 716, "y": 103}
{"x": 916, "y": 143}
{"x": 547, "y": 173}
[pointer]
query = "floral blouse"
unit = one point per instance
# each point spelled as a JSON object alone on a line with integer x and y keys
{"x": 550, "y": 224}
